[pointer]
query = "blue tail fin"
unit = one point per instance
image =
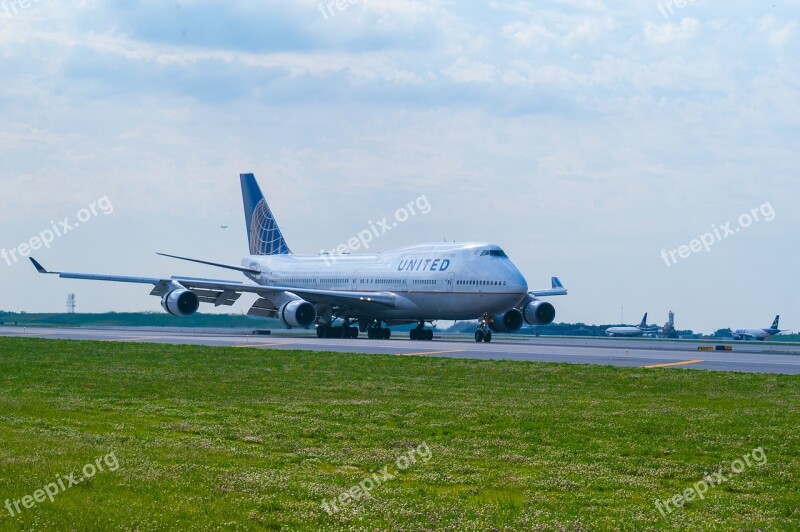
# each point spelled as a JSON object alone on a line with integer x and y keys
{"x": 263, "y": 233}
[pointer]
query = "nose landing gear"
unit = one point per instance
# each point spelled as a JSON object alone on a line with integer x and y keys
{"x": 483, "y": 334}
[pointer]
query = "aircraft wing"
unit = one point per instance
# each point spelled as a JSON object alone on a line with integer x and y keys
{"x": 221, "y": 292}
{"x": 556, "y": 290}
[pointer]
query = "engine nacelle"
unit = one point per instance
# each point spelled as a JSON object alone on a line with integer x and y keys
{"x": 298, "y": 313}
{"x": 539, "y": 313}
{"x": 181, "y": 302}
{"x": 508, "y": 322}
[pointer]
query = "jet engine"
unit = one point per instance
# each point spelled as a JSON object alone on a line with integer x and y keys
{"x": 180, "y": 302}
{"x": 298, "y": 313}
{"x": 507, "y": 322}
{"x": 539, "y": 313}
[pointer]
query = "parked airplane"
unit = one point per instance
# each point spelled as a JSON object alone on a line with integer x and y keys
{"x": 417, "y": 284}
{"x": 639, "y": 330}
{"x": 757, "y": 334}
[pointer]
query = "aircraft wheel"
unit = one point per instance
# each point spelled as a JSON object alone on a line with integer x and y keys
{"x": 353, "y": 333}
{"x": 479, "y": 336}
{"x": 321, "y": 330}
{"x": 413, "y": 334}
{"x": 387, "y": 333}
{"x": 429, "y": 335}
{"x": 487, "y": 337}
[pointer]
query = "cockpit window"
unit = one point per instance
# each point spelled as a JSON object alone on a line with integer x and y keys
{"x": 494, "y": 253}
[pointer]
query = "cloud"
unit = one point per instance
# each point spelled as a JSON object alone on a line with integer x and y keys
{"x": 779, "y": 33}
{"x": 671, "y": 34}
{"x": 467, "y": 71}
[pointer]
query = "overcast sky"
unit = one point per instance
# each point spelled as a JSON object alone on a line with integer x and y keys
{"x": 583, "y": 136}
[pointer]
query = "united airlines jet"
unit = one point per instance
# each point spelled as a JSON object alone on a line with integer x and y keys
{"x": 345, "y": 295}
{"x": 629, "y": 331}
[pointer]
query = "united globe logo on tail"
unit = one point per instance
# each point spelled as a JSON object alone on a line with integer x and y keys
{"x": 264, "y": 235}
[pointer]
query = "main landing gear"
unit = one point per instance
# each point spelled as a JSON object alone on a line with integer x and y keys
{"x": 345, "y": 331}
{"x": 377, "y": 332}
{"x": 483, "y": 334}
{"x": 421, "y": 333}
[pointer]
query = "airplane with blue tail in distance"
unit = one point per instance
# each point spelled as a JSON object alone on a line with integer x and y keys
{"x": 629, "y": 331}
{"x": 758, "y": 334}
{"x": 345, "y": 295}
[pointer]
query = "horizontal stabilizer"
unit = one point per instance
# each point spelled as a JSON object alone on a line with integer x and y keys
{"x": 556, "y": 290}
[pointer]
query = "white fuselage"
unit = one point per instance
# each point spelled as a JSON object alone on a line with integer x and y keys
{"x": 625, "y": 331}
{"x": 754, "y": 334}
{"x": 431, "y": 281}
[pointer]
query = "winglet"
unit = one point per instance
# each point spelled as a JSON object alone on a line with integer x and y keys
{"x": 39, "y": 267}
{"x": 557, "y": 283}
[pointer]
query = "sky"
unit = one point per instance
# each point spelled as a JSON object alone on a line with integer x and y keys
{"x": 590, "y": 139}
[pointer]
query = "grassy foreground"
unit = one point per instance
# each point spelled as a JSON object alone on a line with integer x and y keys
{"x": 226, "y": 438}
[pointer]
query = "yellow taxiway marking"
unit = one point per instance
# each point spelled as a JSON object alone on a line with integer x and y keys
{"x": 423, "y": 353}
{"x": 670, "y": 364}
{"x": 263, "y": 345}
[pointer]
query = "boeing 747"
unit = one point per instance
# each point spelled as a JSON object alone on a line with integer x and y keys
{"x": 345, "y": 295}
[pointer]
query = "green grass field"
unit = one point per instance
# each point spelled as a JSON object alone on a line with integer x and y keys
{"x": 226, "y": 438}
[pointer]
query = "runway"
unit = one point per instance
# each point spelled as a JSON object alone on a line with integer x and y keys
{"x": 755, "y": 357}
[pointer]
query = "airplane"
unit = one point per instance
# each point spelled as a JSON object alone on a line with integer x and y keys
{"x": 758, "y": 334}
{"x": 639, "y": 330}
{"x": 365, "y": 293}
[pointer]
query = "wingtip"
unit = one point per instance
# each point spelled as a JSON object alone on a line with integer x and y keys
{"x": 39, "y": 267}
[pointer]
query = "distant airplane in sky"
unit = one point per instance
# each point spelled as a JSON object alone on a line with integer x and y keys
{"x": 416, "y": 284}
{"x": 758, "y": 334}
{"x": 639, "y": 330}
